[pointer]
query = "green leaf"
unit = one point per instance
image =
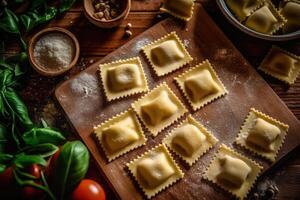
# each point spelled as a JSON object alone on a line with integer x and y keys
{"x": 5, "y": 158}
{"x": 42, "y": 135}
{"x": 18, "y": 108}
{"x": 66, "y": 5}
{"x": 72, "y": 165}
{"x": 44, "y": 150}
{"x": 34, "y": 18}
{"x": 9, "y": 22}
{"x": 2, "y": 168}
{"x": 23, "y": 160}
{"x": 6, "y": 77}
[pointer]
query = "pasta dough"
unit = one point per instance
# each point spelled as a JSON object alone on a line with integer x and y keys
{"x": 265, "y": 19}
{"x": 159, "y": 108}
{"x": 167, "y": 54}
{"x": 243, "y": 8}
{"x": 281, "y": 65}
{"x": 190, "y": 140}
{"x": 182, "y": 9}
{"x": 233, "y": 172}
{"x": 262, "y": 134}
{"x": 120, "y": 134}
{"x": 201, "y": 85}
{"x": 291, "y": 11}
{"x": 123, "y": 78}
{"x": 155, "y": 170}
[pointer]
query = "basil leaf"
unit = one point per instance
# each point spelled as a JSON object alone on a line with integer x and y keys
{"x": 18, "y": 108}
{"x": 44, "y": 150}
{"x": 65, "y": 5}
{"x": 42, "y": 135}
{"x": 6, "y": 77}
{"x": 23, "y": 160}
{"x": 9, "y": 22}
{"x": 2, "y": 168}
{"x": 5, "y": 158}
{"x": 35, "y": 18}
{"x": 72, "y": 165}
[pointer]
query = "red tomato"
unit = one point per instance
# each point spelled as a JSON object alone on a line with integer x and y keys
{"x": 50, "y": 170}
{"x": 8, "y": 185}
{"x": 29, "y": 192}
{"x": 88, "y": 190}
{"x": 6, "y": 178}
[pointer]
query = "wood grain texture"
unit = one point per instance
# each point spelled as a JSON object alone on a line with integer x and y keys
{"x": 203, "y": 40}
{"x": 38, "y": 90}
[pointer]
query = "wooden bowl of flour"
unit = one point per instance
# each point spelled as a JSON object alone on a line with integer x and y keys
{"x": 53, "y": 51}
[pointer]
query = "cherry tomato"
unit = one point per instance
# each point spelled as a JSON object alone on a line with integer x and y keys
{"x": 8, "y": 185}
{"x": 6, "y": 178}
{"x": 88, "y": 190}
{"x": 29, "y": 192}
{"x": 50, "y": 170}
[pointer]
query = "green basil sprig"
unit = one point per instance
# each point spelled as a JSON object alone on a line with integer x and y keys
{"x": 42, "y": 135}
{"x": 9, "y": 22}
{"x": 65, "y": 5}
{"x": 71, "y": 167}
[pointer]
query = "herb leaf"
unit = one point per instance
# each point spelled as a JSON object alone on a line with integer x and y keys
{"x": 65, "y": 5}
{"x": 44, "y": 150}
{"x": 23, "y": 160}
{"x": 72, "y": 165}
{"x": 9, "y": 22}
{"x": 43, "y": 135}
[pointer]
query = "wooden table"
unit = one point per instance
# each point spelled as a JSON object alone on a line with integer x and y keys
{"x": 96, "y": 43}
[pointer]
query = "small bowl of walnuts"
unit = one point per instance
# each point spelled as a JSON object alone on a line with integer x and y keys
{"x": 106, "y": 13}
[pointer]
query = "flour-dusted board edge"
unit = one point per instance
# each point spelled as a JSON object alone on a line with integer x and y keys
{"x": 85, "y": 106}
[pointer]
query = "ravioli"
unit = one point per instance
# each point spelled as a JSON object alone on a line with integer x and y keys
{"x": 123, "y": 78}
{"x": 182, "y": 9}
{"x": 262, "y": 134}
{"x": 120, "y": 134}
{"x": 159, "y": 108}
{"x": 266, "y": 19}
{"x": 155, "y": 170}
{"x": 167, "y": 54}
{"x": 233, "y": 172}
{"x": 201, "y": 85}
{"x": 291, "y": 11}
{"x": 243, "y": 8}
{"x": 190, "y": 140}
{"x": 281, "y": 64}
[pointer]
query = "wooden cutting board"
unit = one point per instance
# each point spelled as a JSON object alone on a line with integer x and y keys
{"x": 84, "y": 104}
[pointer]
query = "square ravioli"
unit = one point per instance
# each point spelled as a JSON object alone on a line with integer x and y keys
{"x": 190, "y": 140}
{"x": 201, "y": 85}
{"x": 182, "y": 9}
{"x": 155, "y": 170}
{"x": 233, "y": 172}
{"x": 290, "y": 9}
{"x": 159, "y": 108}
{"x": 123, "y": 78}
{"x": 262, "y": 134}
{"x": 167, "y": 54}
{"x": 281, "y": 65}
{"x": 120, "y": 134}
{"x": 243, "y": 8}
{"x": 266, "y": 19}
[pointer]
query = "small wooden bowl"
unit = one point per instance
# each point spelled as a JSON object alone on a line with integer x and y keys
{"x": 40, "y": 69}
{"x": 89, "y": 13}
